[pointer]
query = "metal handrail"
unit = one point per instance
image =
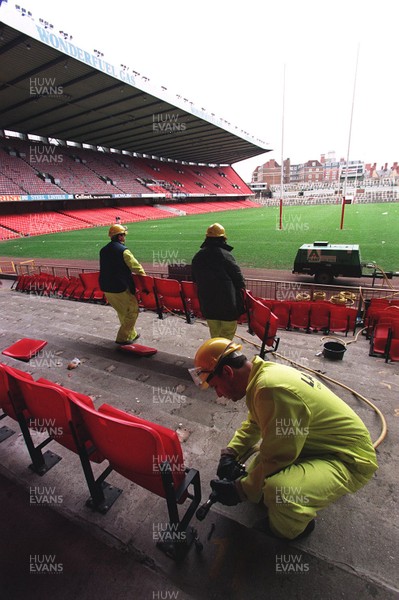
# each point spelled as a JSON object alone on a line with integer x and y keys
{"x": 262, "y": 288}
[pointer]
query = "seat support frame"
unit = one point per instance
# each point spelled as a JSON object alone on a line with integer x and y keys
{"x": 182, "y": 535}
{"x": 102, "y": 494}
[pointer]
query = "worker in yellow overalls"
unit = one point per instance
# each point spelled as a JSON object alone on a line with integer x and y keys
{"x": 117, "y": 264}
{"x": 313, "y": 446}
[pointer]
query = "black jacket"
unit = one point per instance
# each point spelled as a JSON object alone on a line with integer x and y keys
{"x": 219, "y": 281}
{"x": 115, "y": 275}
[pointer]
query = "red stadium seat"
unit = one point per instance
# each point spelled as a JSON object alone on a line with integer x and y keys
{"x": 5, "y": 403}
{"x": 342, "y": 318}
{"x": 300, "y": 315}
{"x": 91, "y": 284}
{"x": 384, "y": 332}
{"x": 24, "y": 283}
{"x": 379, "y": 308}
{"x": 266, "y": 302}
{"x": 282, "y": 310}
{"x": 168, "y": 296}
{"x": 62, "y": 286}
{"x": 74, "y": 284}
{"x": 147, "y": 454}
{"x": 41, "y": 462}
{"x": 379, "y": 344}
{"x": 190, "y": 295}
{"x": 145, "y": 291}
{"x": 320, "y": 316}
{"x": 140, "y": 466}
{"x": 44, "y": 407}
{"x": 24, "y": 349}
{"x": 263, "y": 323}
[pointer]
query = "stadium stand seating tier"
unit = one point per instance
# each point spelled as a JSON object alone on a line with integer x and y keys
{"x": 74, "y": 170}
{"x": 73, "y": 178}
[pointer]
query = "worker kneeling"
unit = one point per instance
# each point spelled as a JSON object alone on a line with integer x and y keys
{"x": 313, "y": 447}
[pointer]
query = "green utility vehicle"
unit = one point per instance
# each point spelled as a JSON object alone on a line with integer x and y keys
{"x": 326, "y": 261}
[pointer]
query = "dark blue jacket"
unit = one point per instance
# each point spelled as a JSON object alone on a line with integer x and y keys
{"x": 115, "y": 275}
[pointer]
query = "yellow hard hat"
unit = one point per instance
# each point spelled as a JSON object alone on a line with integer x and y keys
{"x": 216, "y": 230}
{"x": 209, "y": 357}
{"x": 116, "y": 230}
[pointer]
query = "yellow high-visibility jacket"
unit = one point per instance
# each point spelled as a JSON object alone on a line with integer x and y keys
{"x": 296, "y": 416}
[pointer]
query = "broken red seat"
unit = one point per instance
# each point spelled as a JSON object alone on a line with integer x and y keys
{"x": 24, "y": 349}
{"x": 138, "y": 349}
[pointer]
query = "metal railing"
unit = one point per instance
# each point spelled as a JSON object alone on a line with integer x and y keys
{"x": 262, "y": 288}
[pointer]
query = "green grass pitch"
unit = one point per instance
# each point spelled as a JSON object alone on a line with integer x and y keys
{"x": 254, "y": 234}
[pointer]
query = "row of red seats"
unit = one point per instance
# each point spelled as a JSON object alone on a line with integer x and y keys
{"x": 186, "y": 178}
{"x": 313, "y": 315}
{"x": 7, "y": 234}
{"x": 85, "y": 287}
{"x": 143, "y": 452}
{"x": 194, "y": 208}
{"x": 28, "y": 224}
{"x": 169, "y": 295}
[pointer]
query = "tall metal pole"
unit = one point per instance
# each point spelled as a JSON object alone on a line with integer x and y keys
{"x": 282, "y": 157}
{"x": 349, "y": 143}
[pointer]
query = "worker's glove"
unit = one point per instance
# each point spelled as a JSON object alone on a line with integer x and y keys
{"x": 229, "y": 468}
{"x": 226, "y": 492}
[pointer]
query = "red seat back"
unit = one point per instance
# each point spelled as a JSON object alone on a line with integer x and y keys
{"x": 90, "y": 280}
{"x": 282, "y": 310}
{"x": 342, "y": 318}
{"x": 320, "y": 315}
{"x": 266, "y": 302}
{"x": 5, "y": 402}
{"x": 299, "y": 316}
{"x": 190, "y": 294}
{"x": 48, "y": 409}
{"x": 145, "y": 291}
{"x": 135, "y": 448}
{"x": 261, "y": 320}
{"x": 168, "y": 292}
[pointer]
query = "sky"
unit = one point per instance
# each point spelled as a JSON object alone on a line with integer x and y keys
{"x": 306, "y": 77}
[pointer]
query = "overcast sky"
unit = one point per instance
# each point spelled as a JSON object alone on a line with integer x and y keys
{"x": 229, "y": 56}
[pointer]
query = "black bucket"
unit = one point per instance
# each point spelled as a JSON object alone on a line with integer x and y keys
{"x": 334, "y": 350}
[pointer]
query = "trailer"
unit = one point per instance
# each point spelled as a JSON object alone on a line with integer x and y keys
{"x": 326, "y": 261}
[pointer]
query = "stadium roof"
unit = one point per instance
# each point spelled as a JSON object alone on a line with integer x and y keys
{"x": 52, "y": 87}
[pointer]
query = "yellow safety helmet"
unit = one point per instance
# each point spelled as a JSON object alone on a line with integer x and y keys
{"x": 116, "y": 230}
{"x": 216, "y": 230}
{"x": 209, "y": 357}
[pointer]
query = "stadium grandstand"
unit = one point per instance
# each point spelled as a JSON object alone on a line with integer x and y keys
{"x": 107, "y": 456}
{"x": 82, "y": 140}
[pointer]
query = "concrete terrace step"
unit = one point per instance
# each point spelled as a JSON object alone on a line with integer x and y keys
{"x": 351, "y": 553}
